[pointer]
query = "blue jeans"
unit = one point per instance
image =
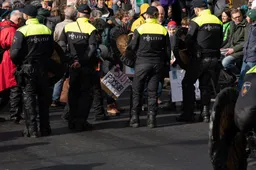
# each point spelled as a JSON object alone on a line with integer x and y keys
{"x": 245, "y": 67}
{"x": 57, "y": 90}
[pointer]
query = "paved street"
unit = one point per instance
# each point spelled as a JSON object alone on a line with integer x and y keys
{"x": 111, "y": 146}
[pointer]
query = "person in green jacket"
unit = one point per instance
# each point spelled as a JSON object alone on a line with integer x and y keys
{"x": 232, "y": 52}
{"x": 226, "y": 18}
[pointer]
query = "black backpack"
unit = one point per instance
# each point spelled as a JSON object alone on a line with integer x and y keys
{"x": 226, "y": 79}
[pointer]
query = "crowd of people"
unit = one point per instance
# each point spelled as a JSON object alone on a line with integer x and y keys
{"x": 32, "y": 33}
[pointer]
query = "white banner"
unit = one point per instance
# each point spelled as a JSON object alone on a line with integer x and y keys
{"x": 176, "y": 77}
{"x": 115, "y": 82}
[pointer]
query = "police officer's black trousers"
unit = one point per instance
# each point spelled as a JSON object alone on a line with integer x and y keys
{"x": 146, "y": 74}
{"x": 98, "y": 107}
{"x": 206, "y": 70}
{"x": 16, "y": 102}
{"x": 80, "y": 94}
{"x": 36, "y": 90}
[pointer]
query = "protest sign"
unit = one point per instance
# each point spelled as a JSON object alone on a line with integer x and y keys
{"x": 176, "y": 77}
{"x": 115, "y": 82}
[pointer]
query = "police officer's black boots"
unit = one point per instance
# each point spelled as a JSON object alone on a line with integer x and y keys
{"x": 151, "y": 122}
{"x": 135, "y": 121}
{"x": 2, "y": 119}
{"x": 45, "y": 130}
{"x": 205, "y": 114}
{"x": 15, "y": 116}
{"x": 30, "y": 131}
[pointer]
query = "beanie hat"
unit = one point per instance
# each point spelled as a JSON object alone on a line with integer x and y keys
{"x": 172, "y": 24}
{"x": 244, "y": 8}
{"x": 143, "y": 8}
{"x": 30, "y": 10}
{"x": 252, "y": 14}
{"x": 199, "y": 3}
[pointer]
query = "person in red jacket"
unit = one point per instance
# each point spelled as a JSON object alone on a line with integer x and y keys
{"x": 7, "y": 68}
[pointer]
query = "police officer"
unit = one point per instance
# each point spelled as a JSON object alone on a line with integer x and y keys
{"x": 31, "y": 49}
{"x": 245, "y": 114}
{"x": 203, "y": 41}
{"x": 80, "y": 38}
{"x": 151, "y": 43}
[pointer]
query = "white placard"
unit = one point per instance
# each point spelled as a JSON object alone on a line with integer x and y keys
{"x": 176, "y": 77}
{"x": 115, "y": 82}
{"x": 129, "y": 71}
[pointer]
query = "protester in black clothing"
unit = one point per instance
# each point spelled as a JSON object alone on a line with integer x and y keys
{"x": 102, "y": 6}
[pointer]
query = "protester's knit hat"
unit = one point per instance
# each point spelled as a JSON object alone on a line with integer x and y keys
{"x": 252, "y": 14}
{"x": 172, "y": 24}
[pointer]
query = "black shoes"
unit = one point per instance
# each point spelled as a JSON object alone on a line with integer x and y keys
{"x": 135, "y": 121}
{"x": 17, "y": 119}
{"x": 46, "y": 131}
{"x": 205, "y": 119}
{"x": 190, "y": 117}
{"x": 101, "y": 117}
{"x": 205, "y": 114}
{"x": 2, "y": 119}
{"x": 183, "y": 118}
{"x": 80, "y": 126}
{"x": 30, "y": 133}
{"x": 151, "y": 122}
